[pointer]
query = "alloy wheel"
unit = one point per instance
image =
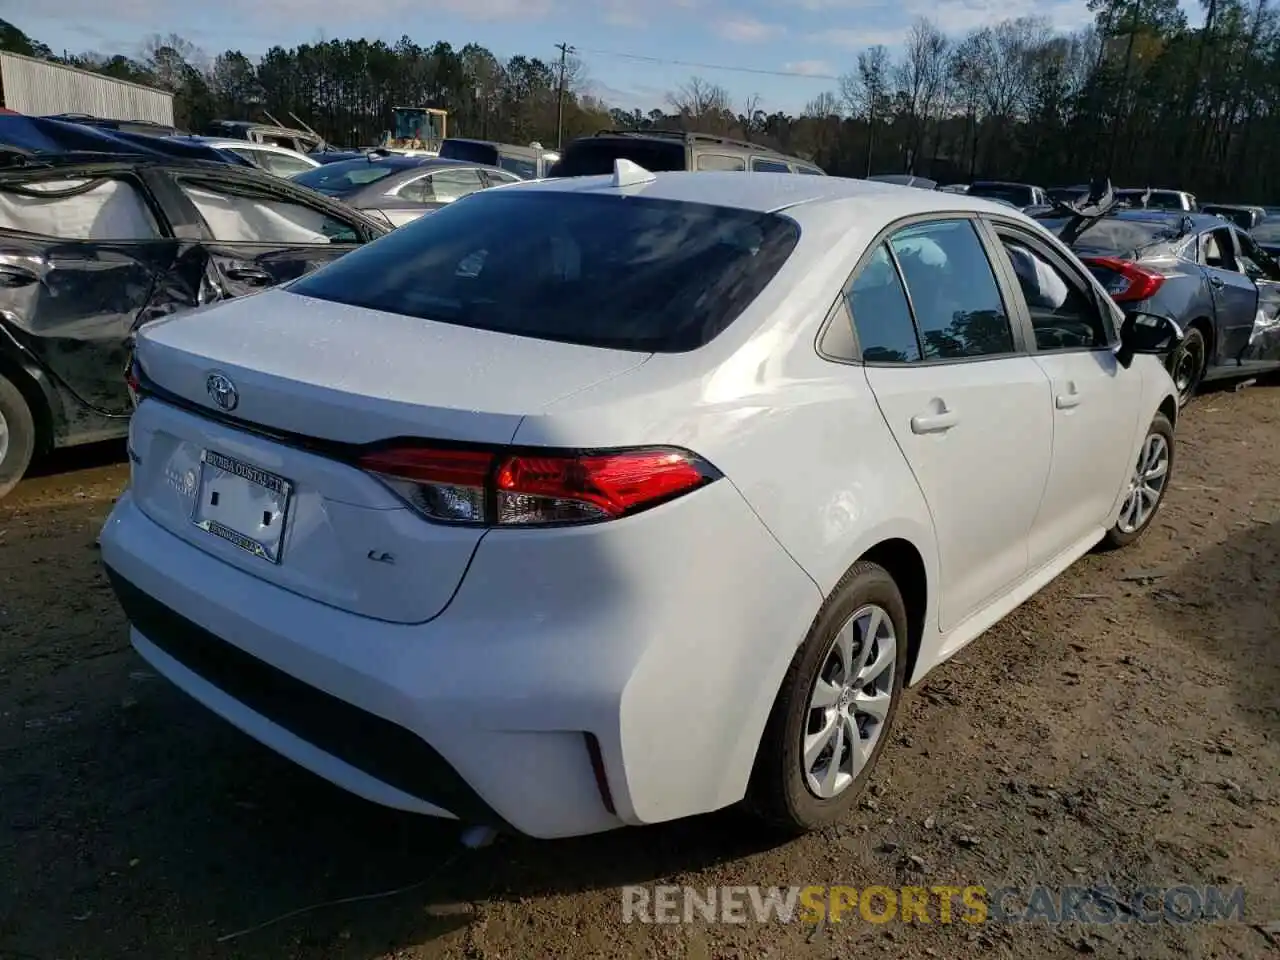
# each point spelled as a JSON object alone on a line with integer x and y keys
{"x": 4, "y": 437}
{"x": 1147, "y": 484}
{"x": 849, "y": 702}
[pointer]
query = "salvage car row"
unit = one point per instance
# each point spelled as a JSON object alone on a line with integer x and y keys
{"x": 741, "y": 457}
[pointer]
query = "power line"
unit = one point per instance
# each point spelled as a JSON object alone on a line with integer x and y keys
{"x": 711, "y": 66}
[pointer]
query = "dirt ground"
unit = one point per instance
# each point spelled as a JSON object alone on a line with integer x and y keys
{"x": 1125, "y": 724}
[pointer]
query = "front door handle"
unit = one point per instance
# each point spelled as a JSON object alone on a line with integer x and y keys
{"x": 12, "y": 277}
{"x": 1217, "y": 282}
{"x": 1066, "y": 401}
{"x": 934, "y": 422}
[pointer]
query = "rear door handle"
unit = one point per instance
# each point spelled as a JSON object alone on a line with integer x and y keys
{"x": 1217, "y": 282}
{"x": 1065, "y": 401}
{"x": 248, "y": 274}
{"x": 934, "y": 422}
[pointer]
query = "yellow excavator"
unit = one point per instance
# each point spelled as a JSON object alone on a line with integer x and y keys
{"x": 418, "y": 130}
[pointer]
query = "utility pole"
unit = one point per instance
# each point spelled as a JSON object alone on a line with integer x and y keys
{"x": 565, "y": 50}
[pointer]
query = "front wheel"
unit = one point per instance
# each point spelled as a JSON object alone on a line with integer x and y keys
{"x": 1147, "y": 484}
{"x": 832, "y": 717}
{"x": 1187, "y": 364}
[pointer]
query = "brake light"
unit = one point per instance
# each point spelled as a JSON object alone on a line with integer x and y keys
{"x": 133, "y": 381}
{"x": 535, "y": 487}
{"x": 1125, "y": 280}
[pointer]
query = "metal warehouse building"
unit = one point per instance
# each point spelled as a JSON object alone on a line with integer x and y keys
{"x": 40, "y": 88}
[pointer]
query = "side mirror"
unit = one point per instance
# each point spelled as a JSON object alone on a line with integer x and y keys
{"x": 1146, "y": 333}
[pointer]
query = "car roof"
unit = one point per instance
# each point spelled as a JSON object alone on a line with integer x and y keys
{"x": 772, "y": 192}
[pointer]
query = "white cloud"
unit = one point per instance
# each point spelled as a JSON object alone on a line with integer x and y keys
{"x": 860, "y": 38}
{"x": 748, "y": 30}
{"x": 961, "y": 16}
{"x": 811, "y": 68}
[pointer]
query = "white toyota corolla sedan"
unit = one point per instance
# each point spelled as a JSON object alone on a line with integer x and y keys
{"x": 611, "y": 500}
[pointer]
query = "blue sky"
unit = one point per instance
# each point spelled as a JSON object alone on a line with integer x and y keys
{"x": 807, "y": 37}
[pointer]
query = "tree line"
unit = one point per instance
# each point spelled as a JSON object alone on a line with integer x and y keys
{"x": 1139, "y": 95}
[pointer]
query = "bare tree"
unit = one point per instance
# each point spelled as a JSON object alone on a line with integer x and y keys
{"x": 921, "y": 79}
{"x": 865, "y": 92}
{"x": 704, "y": 103}
{"x": 824, "y": 105}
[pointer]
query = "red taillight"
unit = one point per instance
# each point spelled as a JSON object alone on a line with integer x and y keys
{"x": 535, "y": 488}
{"x": 133, "y": 381}
{"x": 1127, "y": 280}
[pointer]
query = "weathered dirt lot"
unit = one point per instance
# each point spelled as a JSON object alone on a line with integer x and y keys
{"x": 1116, "y": 726}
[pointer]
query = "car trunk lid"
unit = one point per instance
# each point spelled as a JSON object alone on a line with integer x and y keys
{"x": 270, "y": 485}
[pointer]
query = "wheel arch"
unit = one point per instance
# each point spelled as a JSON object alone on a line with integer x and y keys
{"x": 905, "y": 564}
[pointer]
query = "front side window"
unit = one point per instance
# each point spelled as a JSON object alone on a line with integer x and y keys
{"x": 958, "y": 307}
{"x": 105, "y": 208}
{"x": 237, "y": 216}
{"x": 764, "y": 165}
{"x": 629, "y": 273}
{"x": 717, "y": 161}
{"x": 1062, "y": 314}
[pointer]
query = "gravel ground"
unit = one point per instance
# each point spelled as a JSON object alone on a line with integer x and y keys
{"x": 1124, "y": 724}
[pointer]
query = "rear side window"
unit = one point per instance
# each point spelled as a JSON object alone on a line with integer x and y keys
{"x": 523, "y": 168}
{"x": 881, "y": 314}
{"x": 592, "y": 157}
{"x": 80, "y": 209}
{"x": 765, "y": 165}
{"x": 719, "y": 161}
{"x": 629, "y": 273}
{"x": 812, "y": 171}
{"x": 233, "y": 216}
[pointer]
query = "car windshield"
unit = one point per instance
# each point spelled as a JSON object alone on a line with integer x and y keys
{"x": 1010, "y": 193}
{"x": 346, "y": 176}
{"x": 628, "y": 273}
{"x": 1268, "y": 231}
{"x": 1114, "y": 235}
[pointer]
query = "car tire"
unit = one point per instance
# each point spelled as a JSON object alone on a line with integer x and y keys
{"x": 782, "y": 788}
{"x": 1159, "y": 436}
{"x": 17, "y": 435}
{"x": 1187, "y": 364}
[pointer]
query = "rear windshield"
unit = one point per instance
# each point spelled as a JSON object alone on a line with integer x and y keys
{"x": 1159, "y": 199}
{"x": 1115, "y": 236}
{"x": 485, "y": 153}
{"x": 590, "y": 158}
{"x": 1008, "y": 192}
{"x": 1268, "y": 231}
{"x": 629, "y": 273}
{"x": 346, "y": 176}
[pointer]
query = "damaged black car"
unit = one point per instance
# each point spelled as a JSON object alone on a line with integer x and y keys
{"x": 104, "y": 237}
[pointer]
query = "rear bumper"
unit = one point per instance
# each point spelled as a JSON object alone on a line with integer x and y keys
{"x": 664, "y": 639}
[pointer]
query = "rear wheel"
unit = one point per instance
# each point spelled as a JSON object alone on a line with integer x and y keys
{"x": 832, "y": 716}
{"x": 1147, "y": 484}
{"x": 17, "y": 436}
{"x": 1187, "y": 363}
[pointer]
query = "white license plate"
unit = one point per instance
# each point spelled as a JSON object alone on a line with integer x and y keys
{"x": 242, "y": 504}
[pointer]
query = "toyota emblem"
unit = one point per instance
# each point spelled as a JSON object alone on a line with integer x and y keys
{"x": 223, "y": 391}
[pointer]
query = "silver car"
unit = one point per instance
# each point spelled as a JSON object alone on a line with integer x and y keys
{"x": 399, "y": 189}
{"x": 280, "y": 161}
